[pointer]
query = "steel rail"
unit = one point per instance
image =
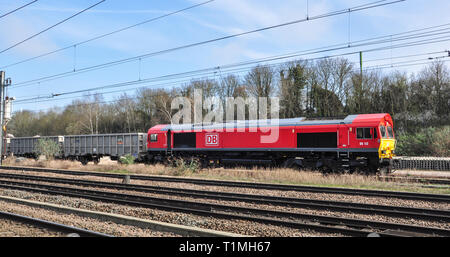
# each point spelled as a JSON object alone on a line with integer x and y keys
{"x": 51, "y": 225}
{"x": 206, "y": 212}
{"x": 255, "y": 185}
{"x": 223, "y": 211}
{"x": 395, "y": 211}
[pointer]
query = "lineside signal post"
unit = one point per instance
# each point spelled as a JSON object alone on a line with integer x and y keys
{"x": 3, "y": 83}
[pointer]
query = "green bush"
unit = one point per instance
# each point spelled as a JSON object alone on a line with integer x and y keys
{"x": 186, "y": 166}
{"x": 441, "y": 142}
{"x": 426, "y": 142}
{"x": 47, "y": 147}
{"x": 127, "y": 159}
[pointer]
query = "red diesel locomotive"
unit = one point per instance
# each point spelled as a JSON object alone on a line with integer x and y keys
{"x": 362, "y": 141}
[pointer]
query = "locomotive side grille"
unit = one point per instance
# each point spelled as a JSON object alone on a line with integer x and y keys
{"x": 184, "y": 140}
{"x": 318, "y": 140}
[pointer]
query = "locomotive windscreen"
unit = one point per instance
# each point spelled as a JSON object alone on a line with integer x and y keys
{"x": 184, "y": 140}
{"x": 317, "y": 140}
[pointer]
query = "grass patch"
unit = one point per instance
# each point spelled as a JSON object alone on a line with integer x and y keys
{"x": 127, "y": 159}
{"x": 116, "y": 171}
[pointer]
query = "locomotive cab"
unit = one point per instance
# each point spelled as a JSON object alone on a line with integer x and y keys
{"x": 387, "y": 141}
{"x": 374, "y": 139}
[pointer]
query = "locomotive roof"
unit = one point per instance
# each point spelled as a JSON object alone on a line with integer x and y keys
{"x": 360, "y": 119}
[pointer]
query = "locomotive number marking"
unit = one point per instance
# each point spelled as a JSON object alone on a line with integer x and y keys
{"x": 212, "y": 139}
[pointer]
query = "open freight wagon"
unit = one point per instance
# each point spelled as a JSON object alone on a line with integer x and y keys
{"x": 85, "y": 148}
{"x": 26, "y": 146}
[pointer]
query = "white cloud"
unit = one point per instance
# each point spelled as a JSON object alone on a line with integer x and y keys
{"x": 17, "y": 29}
{"x": 227, "y": 30}
{"x": 45, "y": 8}
{"x": 235, "y": 16}
{"x": 232, "y": 52}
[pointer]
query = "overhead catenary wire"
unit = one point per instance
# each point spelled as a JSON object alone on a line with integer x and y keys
{"x": 121, "y": 99}
{"x": 403, "y": 56}
{"x": 205, "y": 72}
{"x": 303, "y": 53}
{"x": 46, "y": 98}
{"x": 126, "y": 60}
{"x": 403, "y": 64}
{"x": 54, "y": 25}
{"x": 105, "y": 35}
{"x": 371, "y": 41}
{"x": 407, "y": 63}
{"x": 212, "y": 69}
{"x": 18, "y": 8}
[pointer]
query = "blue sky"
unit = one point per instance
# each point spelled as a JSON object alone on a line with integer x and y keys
{"x": 216, "y": 19}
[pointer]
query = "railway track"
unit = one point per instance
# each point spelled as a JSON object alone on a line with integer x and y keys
{"x": 51, "y": 225}
{"x": 393, "y": 211}
{"x": 353, "y": 227}
{"x": 254, "y": 185}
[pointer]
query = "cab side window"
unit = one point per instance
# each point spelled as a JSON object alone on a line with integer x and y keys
{"x": 390, "y": 132}
{"x": 363, "y": 133}
{"x": 153, "y": 137}
{"x": 383, "y": 131}
{"x": 359, "y": 133}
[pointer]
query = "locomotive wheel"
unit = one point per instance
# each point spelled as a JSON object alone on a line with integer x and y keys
{"x": 326, "y": 170}
{"x": 355, "y": 170}
{"x": 289, "y": 163}
{"x": 84, "y": 161}
{"x": 385, "y": 170}
{"x": 204, "y": 163}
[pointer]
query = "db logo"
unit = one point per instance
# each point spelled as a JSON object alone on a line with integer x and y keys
{"x": 212, "y": 139}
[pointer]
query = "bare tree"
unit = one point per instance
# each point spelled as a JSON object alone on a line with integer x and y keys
{"x": 162, "y": 101}
{"x": 259, "y": 81}
{"x": 437, "y": 82}
{"x": 342, "y": 70}
{"x": 293, "y": 82}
